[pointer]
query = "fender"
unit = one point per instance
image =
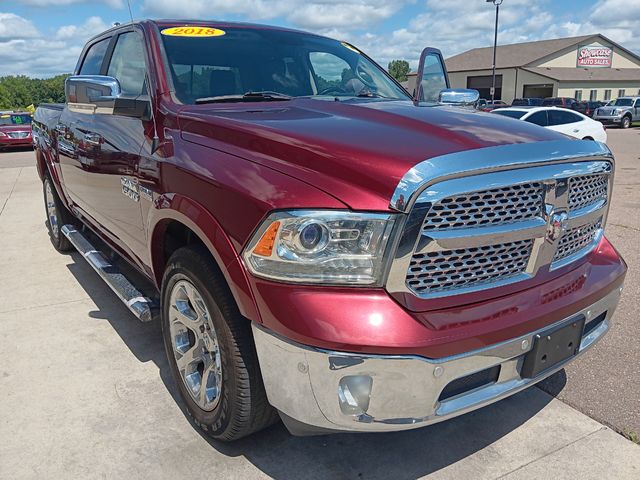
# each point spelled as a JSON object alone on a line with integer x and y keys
{"x": 176, "y": 207}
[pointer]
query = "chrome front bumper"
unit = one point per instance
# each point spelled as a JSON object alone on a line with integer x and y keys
{"x": 337, "y": 391}
{"x": 608, "y": 118}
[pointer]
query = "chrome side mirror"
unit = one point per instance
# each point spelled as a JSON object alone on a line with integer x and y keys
{"x": 92, "y": 93}
{"x": 459, "y": 96}
{"x": 99, "y": 94}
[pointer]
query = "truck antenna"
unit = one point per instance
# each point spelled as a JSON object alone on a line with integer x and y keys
{"x": 130, "y": 14}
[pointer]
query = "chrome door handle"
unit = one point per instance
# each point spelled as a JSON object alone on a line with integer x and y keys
{"x": 576, "y": 130}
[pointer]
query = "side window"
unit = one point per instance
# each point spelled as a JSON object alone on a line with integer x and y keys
{"x": 93, "y": 59}
{"x": 538, "y": 118}
{"x": 127, "y": 63}
{"x": 332, "y": 72}
{"x": 562, "y": 117}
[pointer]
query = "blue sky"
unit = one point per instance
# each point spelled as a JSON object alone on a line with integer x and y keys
{"x": 44, "y": 37}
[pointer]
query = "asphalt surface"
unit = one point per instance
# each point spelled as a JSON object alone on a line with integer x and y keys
{"x": 87, "y": 393}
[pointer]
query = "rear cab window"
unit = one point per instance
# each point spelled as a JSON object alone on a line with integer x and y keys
{"x": 92, "y": 63}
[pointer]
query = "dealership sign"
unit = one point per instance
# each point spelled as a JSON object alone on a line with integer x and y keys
{"x": 594, "y": 56}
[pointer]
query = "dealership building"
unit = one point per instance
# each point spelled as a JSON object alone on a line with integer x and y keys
{"x": 590, "y": 67}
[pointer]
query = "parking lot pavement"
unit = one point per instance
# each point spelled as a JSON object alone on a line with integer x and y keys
{"x": 605, "y": 383}
{"x": 13, "y": 158}
{"x": 86, "y": 393}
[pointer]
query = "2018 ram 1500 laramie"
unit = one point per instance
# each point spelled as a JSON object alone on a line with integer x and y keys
{"x": 319, "y": 245}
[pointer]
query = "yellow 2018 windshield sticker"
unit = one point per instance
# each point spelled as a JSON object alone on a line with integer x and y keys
{"x": 193, "y": 31}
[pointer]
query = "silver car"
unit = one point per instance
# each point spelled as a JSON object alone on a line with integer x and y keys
{"x": 622, "y": 112}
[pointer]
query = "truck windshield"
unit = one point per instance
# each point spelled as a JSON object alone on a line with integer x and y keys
{"x": 15, "y": 120}
{"x": 251, "y": 64}
{"x": 623, "y": 102}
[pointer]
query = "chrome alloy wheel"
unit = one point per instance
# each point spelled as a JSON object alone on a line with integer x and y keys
{"x": 195, "y": 345}
{"x": 52, "y": 213}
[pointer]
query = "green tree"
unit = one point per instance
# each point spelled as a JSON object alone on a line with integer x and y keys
{"x": 399, "y": 69}
{"x": 18, "y": 92}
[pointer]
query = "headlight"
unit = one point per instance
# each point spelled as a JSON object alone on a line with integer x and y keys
{"x": 618, "y": 111}
{"x": 320, "y": 246}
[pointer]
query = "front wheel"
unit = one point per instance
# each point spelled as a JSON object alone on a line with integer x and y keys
{"x": 210, "y": 349}
{"x": 626, "y": 122}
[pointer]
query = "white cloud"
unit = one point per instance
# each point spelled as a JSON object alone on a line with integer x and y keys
{"x": 318, "y": 15}
{"x": 26, "y": 51}
{"x": 91, "y": 27}
{"x": 13, "y": 27}
{"x": 57, "y": 3}
{"x": 455, "y": 26}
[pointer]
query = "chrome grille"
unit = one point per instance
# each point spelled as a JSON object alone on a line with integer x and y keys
{"x": 586, "y": 190}
{"x": 465, "y": 268}
{"x": 470, "y": 233}
{"x": 486, "y": 207}
{"x": 576, "y": 239}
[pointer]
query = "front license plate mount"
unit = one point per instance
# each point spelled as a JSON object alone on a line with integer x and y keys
{"x": 552, "y": 347}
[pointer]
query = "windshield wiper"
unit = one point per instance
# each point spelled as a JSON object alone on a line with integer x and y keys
{"x": 262, "y": 96}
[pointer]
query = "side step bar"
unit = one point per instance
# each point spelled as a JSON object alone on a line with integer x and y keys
{"x": 141, "y": 306}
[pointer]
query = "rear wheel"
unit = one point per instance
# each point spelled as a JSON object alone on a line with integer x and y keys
{"x": 210, "y": 349}
{"x": 626, "y": 122}
{"x": 57, "y": 216}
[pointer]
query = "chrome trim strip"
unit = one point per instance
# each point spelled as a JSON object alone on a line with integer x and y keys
{"x": 549, "y": 163}
{"x": 141, "y": 306}
{"x": 302, "y": 382}
{"x": 491, "y": 159}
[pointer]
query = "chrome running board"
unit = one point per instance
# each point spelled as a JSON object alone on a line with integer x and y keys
{"x": 141, "y": 306}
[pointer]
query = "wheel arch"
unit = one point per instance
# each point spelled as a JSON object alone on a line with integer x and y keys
{"x": 178, "y": 221}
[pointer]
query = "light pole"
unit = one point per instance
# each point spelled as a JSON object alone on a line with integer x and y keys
{"x": 497, "y": 3}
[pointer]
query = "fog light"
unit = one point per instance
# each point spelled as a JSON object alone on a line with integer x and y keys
{"x": 354, "y": 393}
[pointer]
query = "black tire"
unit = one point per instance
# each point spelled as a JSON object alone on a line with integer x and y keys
{"x": 626, "y": 122}
{"x": 62, "y": 217}
{"x": 242, "y": 408}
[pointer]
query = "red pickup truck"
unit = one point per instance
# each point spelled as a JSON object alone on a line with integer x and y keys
{"x": 318, "y": 245}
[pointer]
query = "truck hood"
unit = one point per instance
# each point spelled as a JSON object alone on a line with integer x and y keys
{"x": 356, "y": 151}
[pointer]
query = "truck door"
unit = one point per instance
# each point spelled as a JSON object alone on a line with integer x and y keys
{"x": 636, "y": 110}
{"x": 69, "y": 140}
{"x": 111, "y": 152}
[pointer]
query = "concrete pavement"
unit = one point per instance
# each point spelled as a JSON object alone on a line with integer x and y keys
{"x": 605, "y": 384}
{"x": 86, "y": 393}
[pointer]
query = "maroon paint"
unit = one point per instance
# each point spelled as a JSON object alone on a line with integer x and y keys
{"x": 220, "y": 169}
{"x": 369, "y": 321}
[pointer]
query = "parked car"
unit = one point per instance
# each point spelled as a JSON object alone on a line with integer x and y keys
{"x": 488, "y": 105}
{"x": 318, "y": 245}
{"x": 527, "y": 102}
{"x": 573, "y": 123}
{"x": 564, "y": 102}
{"x": 15, "y": 130}
{"x": 588, "y": 108}
{"x": 622, "y": 112}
